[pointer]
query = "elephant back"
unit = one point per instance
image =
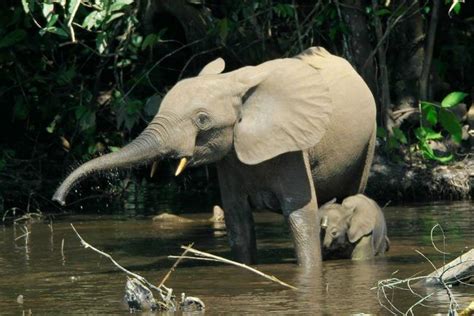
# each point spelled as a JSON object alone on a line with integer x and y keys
{"x": 340, "y": 159}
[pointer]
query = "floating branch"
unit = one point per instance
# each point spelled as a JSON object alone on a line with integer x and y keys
{"x": 165, "y": 293}
{"x": 455, "y": 272}
{"x": 201, "y": 255}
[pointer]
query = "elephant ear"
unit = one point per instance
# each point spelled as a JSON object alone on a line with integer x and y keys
{"x": 362, "y": 221}
{"x": 286, "y": 107}
{"x": 214, "y": 67}
{"x": 328, "y": 203}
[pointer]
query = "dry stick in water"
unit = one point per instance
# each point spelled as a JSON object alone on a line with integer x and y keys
{"x": 211, "y": 257}
{"x": 62, "y": 252}
{"x": 161, "y": 290}
{"x": 438, "y": 277}
{"x": 174, "y": 266}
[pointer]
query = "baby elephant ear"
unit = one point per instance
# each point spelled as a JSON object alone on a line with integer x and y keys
{"x": 214, "y": 67}
{"x": 361, "y": 223}
{"x": 328, "y": 203}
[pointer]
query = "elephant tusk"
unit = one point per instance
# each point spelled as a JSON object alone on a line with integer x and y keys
{"x": 154, "y": 166}
{"x": 181, "y": 166}
{"x": 324, "y": 222}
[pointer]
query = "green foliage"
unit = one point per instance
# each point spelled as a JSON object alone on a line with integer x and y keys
{"x": 436, "y": 120}
{"x": 69, "y": 66}
{"x": 436, "y": 123}
{"x": 86, "y": 74}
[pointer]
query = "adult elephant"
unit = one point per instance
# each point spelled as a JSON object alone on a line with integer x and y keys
{"x": 285, "y": 134}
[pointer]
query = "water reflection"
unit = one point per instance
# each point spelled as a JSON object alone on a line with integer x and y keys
{"x": 56, "y": 277}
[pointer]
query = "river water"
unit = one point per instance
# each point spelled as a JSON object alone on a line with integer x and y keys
{"x": 72, "y": 280}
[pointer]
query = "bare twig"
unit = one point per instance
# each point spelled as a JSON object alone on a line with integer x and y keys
{"x": 62, "y": 252}
{"x": 26, "y": 232}
{"x": 444, "y": 277}
{"x": 241, "y": 265}
{"x": 382, "y": 37}
{"x": 444, "y": 240}
{"x": 194, "y": 56}
{"x": 164, "y": 292}
{"x": 159, "y": 62}
{"x": 175, "y": 265}
{"x": 71, "y": 18}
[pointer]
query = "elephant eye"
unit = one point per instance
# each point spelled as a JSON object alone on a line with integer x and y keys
{"x": 202, "y": 121}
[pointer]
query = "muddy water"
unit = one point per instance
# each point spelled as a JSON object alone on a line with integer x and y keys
{"x": 77, "y": 280}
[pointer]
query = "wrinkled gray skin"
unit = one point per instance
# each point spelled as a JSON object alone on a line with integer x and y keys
{"x": 285, "y": 134}
{"x": 355, "y": 229}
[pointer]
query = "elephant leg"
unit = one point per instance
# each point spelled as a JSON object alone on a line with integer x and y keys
{"x": 304, "y": 228}
{"x": 364, "y": 249}
{"x": 240, "y": 230}
{"x": 237, "y": 212}
{"x": 304, "y": 222}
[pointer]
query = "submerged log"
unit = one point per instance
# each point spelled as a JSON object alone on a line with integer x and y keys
{"x": 460, "y": 270}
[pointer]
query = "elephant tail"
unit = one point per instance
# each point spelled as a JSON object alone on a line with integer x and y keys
{"x": 368, "y": 160}
{"x": 387, "y": 243}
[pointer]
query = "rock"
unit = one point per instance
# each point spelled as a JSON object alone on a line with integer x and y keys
{"x": 217, "y": 214}
{"x": 191, "y": 304}
{"x": 216, "y": 218}
{"x": 171, "y": 218}
{"x": 138, "y": 296}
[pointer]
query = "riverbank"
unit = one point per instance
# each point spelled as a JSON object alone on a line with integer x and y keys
{"x": 420, "y": 181}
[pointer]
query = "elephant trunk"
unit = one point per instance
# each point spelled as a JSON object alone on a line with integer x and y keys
{"x": 148, "y": 146}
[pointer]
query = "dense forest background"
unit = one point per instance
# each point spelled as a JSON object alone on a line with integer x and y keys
{"x": 79, "y": 78}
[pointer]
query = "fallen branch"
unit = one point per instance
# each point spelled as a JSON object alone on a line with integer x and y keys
{"x": 210, "y": 257}
{"x": 175, "y": 265}
{"x": 455, "y": 272}
{"x": 164, "y": 292}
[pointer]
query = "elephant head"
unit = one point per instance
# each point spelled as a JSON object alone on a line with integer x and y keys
{"x": 344, "y": 223}
{"x": 202, "y": 119}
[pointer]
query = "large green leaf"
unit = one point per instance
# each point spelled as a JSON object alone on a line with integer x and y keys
{"x": 101, "y": 42}
{"x": 48, "y": 9}
{"x": 429, "y": 153}
{"x": 93, "y": 20}
{"x": 65, "y": 75}
{"x": 453, "y": 99}
{"x": 71, "y": 7}
{"x": 381, "y": 132}
{"x": 223, "y": 29}
{"x": 429, "y": 112}
{"x": 26, "y": 5}
{"x": 450, "y": 123}
{"x": 53, "y": 29}
{"x": 426, "y": 133}
{"x": 399, "y": 135}
{"x": 150, "y": 40}
{"x": 119, "y": 4}
{"x": 12, "y": 38}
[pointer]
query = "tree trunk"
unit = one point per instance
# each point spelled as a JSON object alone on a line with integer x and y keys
{"x": 425, "y": 74}
{"x": 408, "y": 43}
{"x": 353, "y": 14}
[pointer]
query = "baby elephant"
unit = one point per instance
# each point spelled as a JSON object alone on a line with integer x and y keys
{"x": 355, "y": 229}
